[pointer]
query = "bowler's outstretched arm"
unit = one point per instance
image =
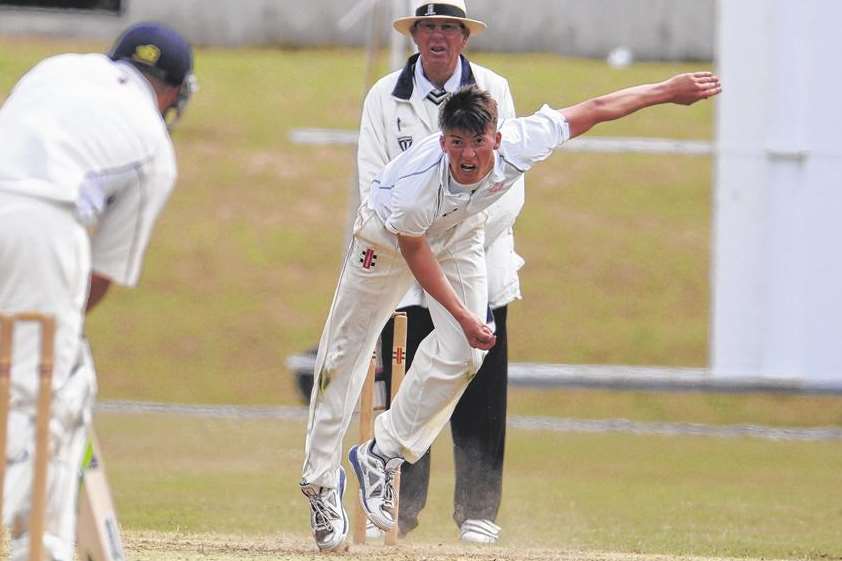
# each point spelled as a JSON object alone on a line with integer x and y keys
{"x": 683, "y": 89}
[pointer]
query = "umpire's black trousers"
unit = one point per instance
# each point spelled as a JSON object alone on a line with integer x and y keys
{"x": 478, "y": 426}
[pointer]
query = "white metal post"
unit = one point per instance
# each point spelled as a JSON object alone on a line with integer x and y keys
{"x": 777, "y": 275}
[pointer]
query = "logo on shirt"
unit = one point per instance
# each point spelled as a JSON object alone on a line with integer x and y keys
{"x": 368, "y": 259}
{"x": 497, "y": 187}
{"x": 147, "y": 54}
{"x": 404, "y": 142}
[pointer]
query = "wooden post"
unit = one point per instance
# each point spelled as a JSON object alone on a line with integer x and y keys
{"x": 366, "y": 433}
{"x": 398, "y": 371}
{"x": 38, "y": 516}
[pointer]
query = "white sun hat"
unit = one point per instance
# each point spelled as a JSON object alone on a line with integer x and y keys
{"x": 443, "y": 9}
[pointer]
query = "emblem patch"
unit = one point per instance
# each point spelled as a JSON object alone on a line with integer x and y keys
{"x": 404, "y": 142}
{"x": 368, "y": 259}
{"x": 147, "y": 54}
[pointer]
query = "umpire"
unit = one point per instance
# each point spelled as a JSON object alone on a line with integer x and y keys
{"x": 402, "y": 108}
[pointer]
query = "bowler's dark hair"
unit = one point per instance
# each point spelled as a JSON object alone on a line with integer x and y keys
{"x": 471, "y": 109}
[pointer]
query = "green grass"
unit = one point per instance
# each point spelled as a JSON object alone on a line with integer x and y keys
{"x": 781, "y": 410}
{"x": 240, "y": 274}
{"x": 243, "y": 261}
{"x": 591, "y": 492}
{"x": 686, "y": 496}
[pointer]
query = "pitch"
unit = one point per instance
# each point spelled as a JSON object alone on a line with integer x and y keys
{"x": 148, "y": 546}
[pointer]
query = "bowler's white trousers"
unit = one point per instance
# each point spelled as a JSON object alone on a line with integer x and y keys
{"x": 44, "y": 267}
{"x": 372, "y": 282}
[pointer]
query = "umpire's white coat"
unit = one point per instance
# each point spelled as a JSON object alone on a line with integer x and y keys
{"x": 396, "y": 115}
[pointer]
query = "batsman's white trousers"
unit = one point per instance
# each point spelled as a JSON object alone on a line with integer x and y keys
{"x": 373, "y": 279}
{"x": 45, "y": 267}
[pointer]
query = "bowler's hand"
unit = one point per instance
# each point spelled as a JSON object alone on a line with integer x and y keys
{"x": 686, "y": 89}
{"x": 478, "y": 334}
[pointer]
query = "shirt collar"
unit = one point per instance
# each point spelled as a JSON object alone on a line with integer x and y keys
{"x": 425, "y": 86}
{"x": 140, "y": 80}
{"x": 406, "y": 82}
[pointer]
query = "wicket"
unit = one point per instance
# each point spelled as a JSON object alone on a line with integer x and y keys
{"x": 367, "y": 417}
{"x": 42, "y": 418}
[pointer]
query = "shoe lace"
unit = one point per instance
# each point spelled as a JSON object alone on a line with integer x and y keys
{"x": 322, "y": 512}
{"x": 389, "y": 472}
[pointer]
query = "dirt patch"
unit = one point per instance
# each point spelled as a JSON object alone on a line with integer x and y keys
{"x": 143, "y": 546}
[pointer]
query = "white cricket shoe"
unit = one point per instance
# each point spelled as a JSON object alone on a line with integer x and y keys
{"x": 377, "y": 492}
{"x": 372, "y": 532}
{"x": 327, "y": 516}
{"x": 479, "y": 531}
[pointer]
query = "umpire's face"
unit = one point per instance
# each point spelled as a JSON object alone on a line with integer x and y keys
{"x": 440, "y": 42}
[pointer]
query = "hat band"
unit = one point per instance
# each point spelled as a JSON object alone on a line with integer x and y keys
{"x": 441, "y": 10}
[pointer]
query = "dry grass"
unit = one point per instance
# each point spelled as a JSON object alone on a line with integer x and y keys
{"x": 243, "y": 262}
{"x": 782, "y": 410}
{"x": 240, "y": 274}
{"x": 563, "y": 492}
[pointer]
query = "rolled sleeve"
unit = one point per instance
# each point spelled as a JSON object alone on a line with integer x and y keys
{"x": 409, "y": 222}
{"x": 531, "y": 139}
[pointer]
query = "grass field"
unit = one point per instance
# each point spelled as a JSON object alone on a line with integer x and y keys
{"x": 563, "y": 492}
{"x": 240, "y": 273}
{"x": 243, "y": 262}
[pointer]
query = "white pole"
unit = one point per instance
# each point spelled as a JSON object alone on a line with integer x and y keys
{"x": 777, "y": 269}
{"x": 398, "y": 43}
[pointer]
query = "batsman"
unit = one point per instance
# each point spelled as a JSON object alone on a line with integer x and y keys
{"x": 86, "y": 166}
{"x": 424, "y": 220}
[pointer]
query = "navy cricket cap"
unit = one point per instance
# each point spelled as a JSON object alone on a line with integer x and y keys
{"x": 157, "y": 49}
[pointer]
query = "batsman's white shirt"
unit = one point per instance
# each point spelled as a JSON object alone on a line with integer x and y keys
{"x": 397, "y": 114}
{"x": 86, "y": 164}
{"x": 413, "y": 196}
{"x": 86, "y": 132}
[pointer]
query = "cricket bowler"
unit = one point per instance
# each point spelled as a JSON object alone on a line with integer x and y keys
{"x": 424, "y": 220}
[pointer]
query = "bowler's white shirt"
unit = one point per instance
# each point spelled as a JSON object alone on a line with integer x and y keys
{"x": 85, "y": 131}
{"x": 416, "y": 195}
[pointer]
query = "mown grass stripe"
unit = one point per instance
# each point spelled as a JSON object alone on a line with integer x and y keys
{"x": 554, "y": 424}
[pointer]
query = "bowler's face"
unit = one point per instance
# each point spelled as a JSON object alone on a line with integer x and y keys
{"x": 471, "y": 155}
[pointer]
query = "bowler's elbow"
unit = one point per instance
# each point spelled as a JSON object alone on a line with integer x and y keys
{"x": 409, "y": 245}
{"x": 582, "y": 117}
